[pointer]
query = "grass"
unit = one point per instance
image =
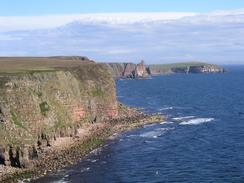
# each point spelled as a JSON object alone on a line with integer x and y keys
{"x": 90, "y": 144}
{"x": 16, "y": 120}
{"x": 97, "y": 93}
{"x": 35, "y": 93}
{"x": 178, "y": 65}
{"x": 44, "y": 107}
{"x": 183, "y": 64}
{"x": 19, "y": 65}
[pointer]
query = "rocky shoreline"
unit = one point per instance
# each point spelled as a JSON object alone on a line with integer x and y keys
{"x": 72, "y": 149}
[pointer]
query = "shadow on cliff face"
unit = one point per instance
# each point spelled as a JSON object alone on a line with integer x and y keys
{"x": 14, "y": 158}
{"x": 1, "y": 156}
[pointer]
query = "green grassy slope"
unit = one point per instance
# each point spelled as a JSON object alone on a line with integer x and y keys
{"x": 28, "y": 64}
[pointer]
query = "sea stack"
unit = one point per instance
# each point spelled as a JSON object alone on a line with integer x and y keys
{"x": 140, "y": 70}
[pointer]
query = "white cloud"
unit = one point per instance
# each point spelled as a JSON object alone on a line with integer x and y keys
{"x": 12, "y": 23}
{"x": 213, "y": 37}
{"x": 52, "y": 21}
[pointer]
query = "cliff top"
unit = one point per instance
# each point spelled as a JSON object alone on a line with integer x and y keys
{"x": 26, "y": 64}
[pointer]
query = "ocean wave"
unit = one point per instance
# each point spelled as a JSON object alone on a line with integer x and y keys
{"x": 197, "y": 121}
{"x": 155, "y": 133}
{"x": 183, "y": 118}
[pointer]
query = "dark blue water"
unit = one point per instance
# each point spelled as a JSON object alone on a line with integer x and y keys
{"x": 202, "y": 140}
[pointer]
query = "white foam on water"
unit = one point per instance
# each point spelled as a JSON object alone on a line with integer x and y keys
{"x": 59, "y": 181}
{"x": 150, "y": 125}
{"x": 85, "y": 169}
{"x": 155, "y": 133}
{"x": 197, "y": 121}
{"x": 93, "y": 161}
{"x": 166, "y": 122}
{"x": 183, "y": 118}
{"x": 132, "y": 136}
{"x": 166, "y": 108}
{"x": 152, "y": 134}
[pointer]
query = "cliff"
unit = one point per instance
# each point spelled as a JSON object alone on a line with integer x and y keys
{"x": 39, "y": 104}
{"x": 187, "y": 67}
{"x": 128, "y": 70}
{"x": 121, "y": 70}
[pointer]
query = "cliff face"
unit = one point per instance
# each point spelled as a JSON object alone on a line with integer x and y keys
{"x": 116, "y": 69}
{"x": 38, "y": 107}
{"x": 128, "y": 70}
{"x": 121, "y": 70}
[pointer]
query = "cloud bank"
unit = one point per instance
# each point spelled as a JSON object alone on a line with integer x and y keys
{"x": 52, "y": 21}
{"x": 216, "y": 37}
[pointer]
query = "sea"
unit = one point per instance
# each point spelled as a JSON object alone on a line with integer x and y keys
{"x": 201, "y": 140}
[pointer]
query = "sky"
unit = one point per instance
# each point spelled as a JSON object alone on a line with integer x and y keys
{"x": 157, "y": 31}
{"x": 44, "y": 7}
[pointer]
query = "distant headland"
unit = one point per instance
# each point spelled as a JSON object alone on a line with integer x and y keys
{"x": 137, "y": 71}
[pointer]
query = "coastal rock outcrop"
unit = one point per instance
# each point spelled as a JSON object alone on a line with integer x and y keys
{"x": 141, "y": 71}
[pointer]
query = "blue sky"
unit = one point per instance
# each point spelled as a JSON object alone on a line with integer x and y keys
{"x": 43, "y": 7}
